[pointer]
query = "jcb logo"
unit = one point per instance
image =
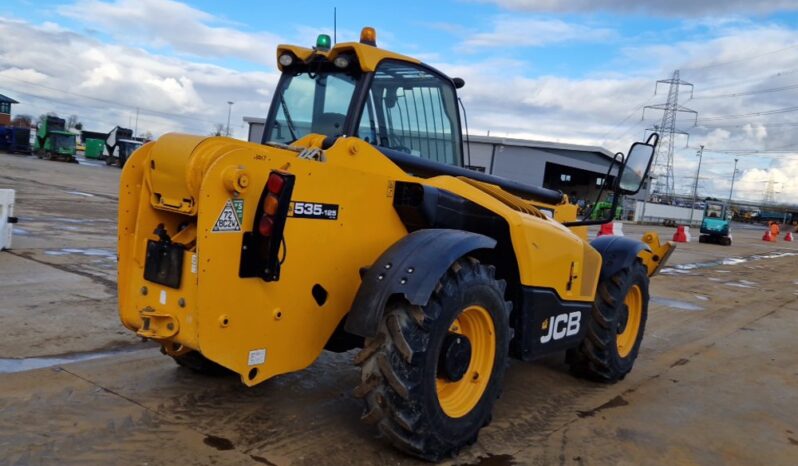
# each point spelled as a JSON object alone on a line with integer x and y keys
{"x": 561, "y": 326}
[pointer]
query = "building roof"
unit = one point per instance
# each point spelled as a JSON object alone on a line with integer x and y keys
{"x": 508, "y": 142}
{"x": 540, "y": 144}
{"x": 7, "y": 100}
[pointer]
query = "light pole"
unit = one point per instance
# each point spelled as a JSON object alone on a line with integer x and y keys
{"x": 229, "y": 111}
{"x": 695, "y": 186}
{"x": 734, "y": 173}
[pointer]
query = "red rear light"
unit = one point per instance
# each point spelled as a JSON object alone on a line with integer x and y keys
{"x": 275, "y": 183}
{"x": 265, "y": 226}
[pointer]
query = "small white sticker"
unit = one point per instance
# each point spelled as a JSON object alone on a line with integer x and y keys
{"x": 257, "y": 356}
{"x": 163, "y": 297}
{"x": 193, "y": 263}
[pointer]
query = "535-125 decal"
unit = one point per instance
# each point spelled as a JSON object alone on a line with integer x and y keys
{"x": 316, "y": 210}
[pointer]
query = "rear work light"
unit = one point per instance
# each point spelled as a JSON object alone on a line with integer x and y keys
{"x": 261, "y": 247}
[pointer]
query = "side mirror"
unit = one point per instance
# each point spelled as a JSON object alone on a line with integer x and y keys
{"x": 637, "y": 164}
{"x": 458, "y": 82}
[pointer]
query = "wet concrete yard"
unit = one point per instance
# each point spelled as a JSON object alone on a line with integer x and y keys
{"x": 716, "y": 381}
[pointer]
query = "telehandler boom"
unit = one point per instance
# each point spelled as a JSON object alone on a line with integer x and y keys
{"x": 355, "y": 225}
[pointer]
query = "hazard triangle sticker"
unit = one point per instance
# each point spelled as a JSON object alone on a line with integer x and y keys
{"x": 230, "y": 218}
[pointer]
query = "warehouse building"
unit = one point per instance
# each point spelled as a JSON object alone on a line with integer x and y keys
{"x": 5, "y": 109}
{"x": 576, "y": 170}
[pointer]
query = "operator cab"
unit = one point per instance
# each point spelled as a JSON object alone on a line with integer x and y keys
{"x": 399, "y": 105}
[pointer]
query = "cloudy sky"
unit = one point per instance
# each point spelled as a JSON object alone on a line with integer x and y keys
{"x": 564, "y": 70}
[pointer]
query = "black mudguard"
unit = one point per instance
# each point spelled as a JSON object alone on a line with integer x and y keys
{"x": 616, "y": 252}
{"x": 411, "y": 268}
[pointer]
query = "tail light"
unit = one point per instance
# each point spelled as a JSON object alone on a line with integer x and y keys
{"x": 261, "y": 247}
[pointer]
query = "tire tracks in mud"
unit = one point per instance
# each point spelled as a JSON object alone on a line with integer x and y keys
{"x": 65, "y": 189}
{"x": 109, "y": 285}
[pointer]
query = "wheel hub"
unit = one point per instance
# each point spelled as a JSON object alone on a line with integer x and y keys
{"x": 455, "y": 357}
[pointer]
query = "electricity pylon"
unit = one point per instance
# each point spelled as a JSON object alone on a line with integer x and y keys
{"x": 662, "y": 168}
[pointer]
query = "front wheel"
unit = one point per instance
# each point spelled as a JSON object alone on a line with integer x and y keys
{"x": 615, "y": 333}
{"x": 431, "y": 375}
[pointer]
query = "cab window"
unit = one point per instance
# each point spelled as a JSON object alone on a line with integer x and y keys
{"x": 412, "y": 110}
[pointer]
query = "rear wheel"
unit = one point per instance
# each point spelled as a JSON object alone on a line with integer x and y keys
{"x": 613, "y": 339}
{"x": 432, "y": 374}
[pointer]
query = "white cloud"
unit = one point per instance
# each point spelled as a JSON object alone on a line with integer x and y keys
{"x": 535, "y": 32}
{"x": 170, "y": 24}
{"x": 104, "y": 84}
{"x": 669, "y": 8}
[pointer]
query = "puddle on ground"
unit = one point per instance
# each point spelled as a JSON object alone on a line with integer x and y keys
{"x": 701, "y": 297}
{"x": 686, "y": 268}
{"x": 20, "y": 231}
{"x": 78, "y": 193}
{"x": 11, "y": 365}
{"x": 741, "y": 284}
{"x": 93, "y": 252}
{"x": 676, "y": 304}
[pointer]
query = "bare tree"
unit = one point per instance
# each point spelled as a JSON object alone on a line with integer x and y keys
{"x": 22, "y": 121}
{"x": 218, "y": 129}
{"x": 74, "y": 122}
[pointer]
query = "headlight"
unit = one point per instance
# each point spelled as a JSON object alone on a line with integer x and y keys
{"x": 286, "y": 59}
{"x": 341, "y": 61}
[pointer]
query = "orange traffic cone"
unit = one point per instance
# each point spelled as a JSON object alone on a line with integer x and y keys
{"x": 768, "y": 236}
{"x": 682, "y": 234}
{"x": 611, "y": 229}
{"x": 788, "y": 236}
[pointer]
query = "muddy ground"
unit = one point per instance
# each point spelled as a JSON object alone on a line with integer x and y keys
{"x": 716, "y": 381}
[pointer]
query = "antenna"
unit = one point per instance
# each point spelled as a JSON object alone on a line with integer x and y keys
{"x": 335, "y": 25}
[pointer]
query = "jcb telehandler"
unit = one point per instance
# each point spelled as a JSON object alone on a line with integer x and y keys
{"x": 355, "y": 225}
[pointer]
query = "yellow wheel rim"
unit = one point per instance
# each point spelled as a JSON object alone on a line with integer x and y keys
{"x": 634, "y": 313}
{"x": 458, "y": 398}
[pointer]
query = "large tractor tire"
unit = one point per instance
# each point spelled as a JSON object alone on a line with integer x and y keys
{"x": 616, "y": 329}
{"x": 431, "y": 375}
{"x": 199, "y": 364}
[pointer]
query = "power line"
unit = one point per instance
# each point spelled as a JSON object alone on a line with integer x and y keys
{"x": 740, "y": 94}
{"x": 738, "y": 60}
{"x": 745, "y": 115}
{"x": 109, "y": 102}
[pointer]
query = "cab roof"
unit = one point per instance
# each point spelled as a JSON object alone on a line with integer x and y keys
{"x": 368, "y": 56}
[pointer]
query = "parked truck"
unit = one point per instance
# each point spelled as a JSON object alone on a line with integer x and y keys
{"x": 15, "y": 140}
{"x": 119, "y": 145}
{"x": 54, "y": 142}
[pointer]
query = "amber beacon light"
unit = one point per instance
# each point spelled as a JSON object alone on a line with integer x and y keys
{"x": 368, "y": 36}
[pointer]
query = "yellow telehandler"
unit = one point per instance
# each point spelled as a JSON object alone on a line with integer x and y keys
{"x": 355, "y": 225}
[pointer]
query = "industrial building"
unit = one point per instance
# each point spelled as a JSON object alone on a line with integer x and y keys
{"x": 5, "y": 109}
{"x": 576, "y": 170}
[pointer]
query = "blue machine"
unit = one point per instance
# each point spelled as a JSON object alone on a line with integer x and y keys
{"x": 15, "y": 139}
{"x": 716, "y": 224}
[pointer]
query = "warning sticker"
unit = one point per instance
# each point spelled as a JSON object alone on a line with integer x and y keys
{"x": 231, "y": 216}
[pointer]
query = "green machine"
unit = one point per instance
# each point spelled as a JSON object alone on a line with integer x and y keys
{"x": 716, "y": 224}
{"x": 54, "y": 142}
{"x": 602, "y": 207}
{"x": 94, "y": 148}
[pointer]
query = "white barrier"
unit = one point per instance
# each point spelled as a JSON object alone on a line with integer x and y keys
{"x": 6, "y": 217}
{"x": 656, "y": 212}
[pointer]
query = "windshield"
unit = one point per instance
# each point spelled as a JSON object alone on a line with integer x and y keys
{"x": 714, "y": 210}
{"x": 310, "y": 102}
{"x": 63, "y": 141}
{"x": 128, "y": 147}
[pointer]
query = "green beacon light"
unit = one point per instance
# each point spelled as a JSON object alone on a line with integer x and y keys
{"x": 323, "y": 42}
